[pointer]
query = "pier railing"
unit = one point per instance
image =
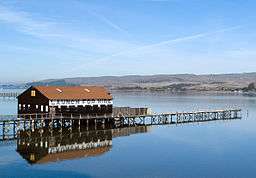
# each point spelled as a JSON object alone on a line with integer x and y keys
{"x": 11, "y": 124}
{"x": 9, "y": 94}
{"x": 180, "y": 115}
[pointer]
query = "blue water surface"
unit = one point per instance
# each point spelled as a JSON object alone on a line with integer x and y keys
{"x": 200, "y": 150}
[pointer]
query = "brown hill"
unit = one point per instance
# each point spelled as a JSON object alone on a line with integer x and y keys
{"x": 177, "y": 82}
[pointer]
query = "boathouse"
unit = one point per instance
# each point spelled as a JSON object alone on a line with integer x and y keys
{"x": 65, "y": 99}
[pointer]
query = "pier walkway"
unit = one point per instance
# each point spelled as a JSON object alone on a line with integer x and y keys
{"x": 11, "y": 124}
{"x": 9, "y": 95}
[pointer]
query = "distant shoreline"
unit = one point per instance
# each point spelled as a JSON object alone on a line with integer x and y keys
{"x": 177, "y": 93}
{"x": 165, "y": 93}
{"x": 231, "y": 84}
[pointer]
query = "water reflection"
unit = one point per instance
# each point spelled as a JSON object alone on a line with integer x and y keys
{"x": 194, "y": 150}
{"x": 46, "y": 145}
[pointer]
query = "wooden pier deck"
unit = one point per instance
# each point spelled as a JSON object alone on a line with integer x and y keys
{"x": 9, "y": 95}
{"x": 11, "y": 124}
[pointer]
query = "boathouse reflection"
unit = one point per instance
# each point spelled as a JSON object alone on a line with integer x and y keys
{"x": 49, "y": 145}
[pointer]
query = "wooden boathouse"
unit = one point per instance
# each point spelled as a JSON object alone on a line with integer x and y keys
{"x": 65, "y": 99}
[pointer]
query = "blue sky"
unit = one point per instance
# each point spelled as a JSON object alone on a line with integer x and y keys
{"x": 75, "y": 38}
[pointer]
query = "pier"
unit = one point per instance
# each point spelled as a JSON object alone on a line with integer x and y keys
{"x": 11, "y": 95}
{"x": 10, "y": 125}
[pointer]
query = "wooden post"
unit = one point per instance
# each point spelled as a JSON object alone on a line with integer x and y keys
{"x": 104, "y": 123}
{"x": 3, "y": 130}
{"x": 14, "y": 128}
{"x": 79, "y": 123}
{"x": 87, "y": 124}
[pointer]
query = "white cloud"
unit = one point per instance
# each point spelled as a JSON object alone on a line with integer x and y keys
{"x": 109, "y": 22}
{"x": 91, "y": 52}
{"x": 61, "y": 35}
{"x": 156, "y": 46}
{"x": 25, "y": 24}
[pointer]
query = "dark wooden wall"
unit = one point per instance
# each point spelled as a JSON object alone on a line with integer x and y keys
{"x": 26, "y": 98}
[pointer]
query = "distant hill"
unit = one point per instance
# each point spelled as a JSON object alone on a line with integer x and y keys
{"x": 175, "y": 83}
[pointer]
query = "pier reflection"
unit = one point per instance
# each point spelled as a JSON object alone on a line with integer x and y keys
{"x": 49, "y": 138}
{"x": 46, "y": 145}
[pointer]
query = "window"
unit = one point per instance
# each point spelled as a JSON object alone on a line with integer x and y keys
{"x": 46, "y": 108}
{"x": 28, "y": 106}
{"x": 33, "y": 93}
{"x": 36, "y": 106}
{"x": 19, "y": 107}
{"x": 42, "y": 108}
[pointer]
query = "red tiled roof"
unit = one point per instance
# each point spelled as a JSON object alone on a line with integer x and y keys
{"x": 74, "y": 92}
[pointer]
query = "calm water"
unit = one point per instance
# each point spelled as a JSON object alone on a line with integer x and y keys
{"x": 214, "y": 149}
